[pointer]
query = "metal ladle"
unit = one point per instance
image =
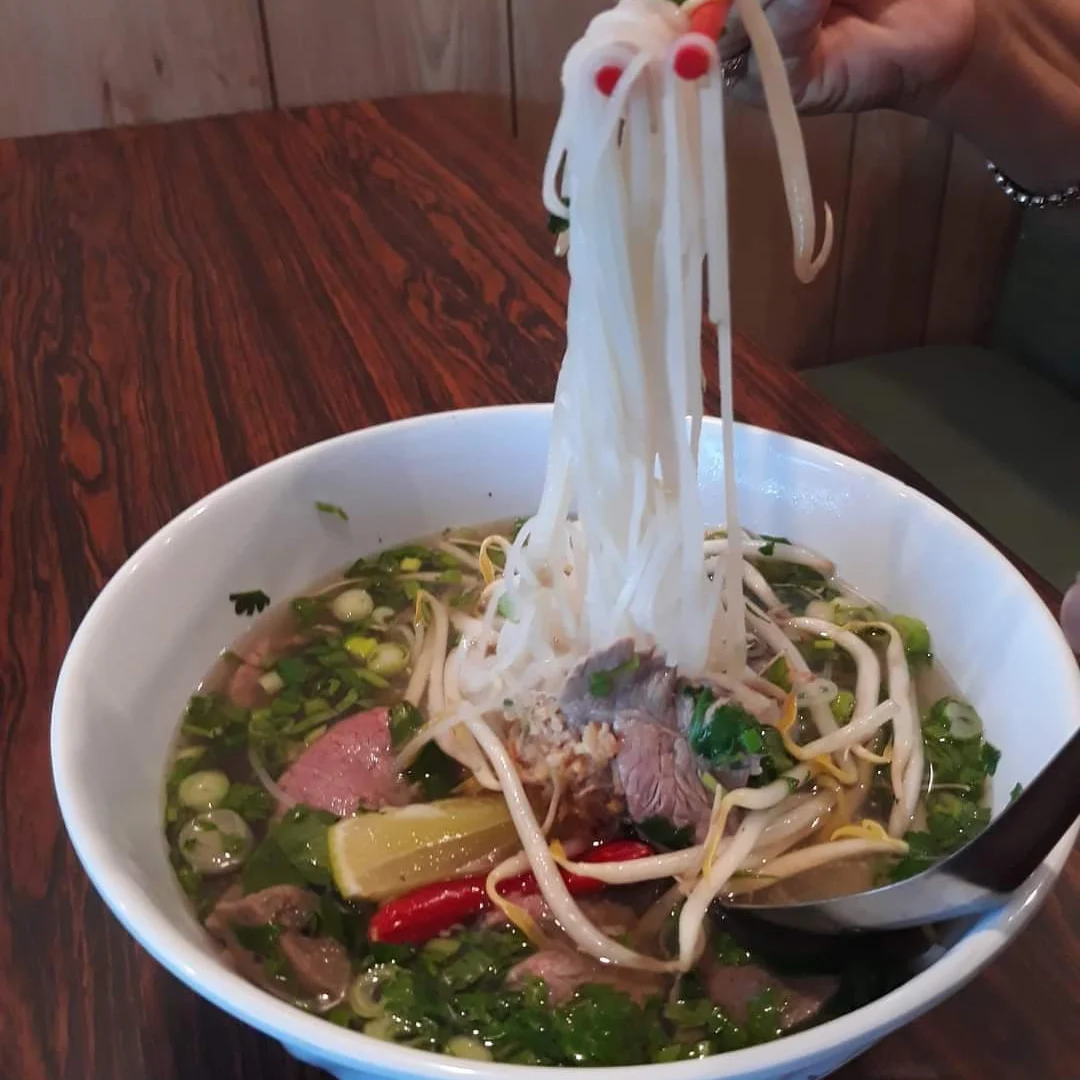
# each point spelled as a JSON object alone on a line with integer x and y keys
{"x": 979, "y": 877}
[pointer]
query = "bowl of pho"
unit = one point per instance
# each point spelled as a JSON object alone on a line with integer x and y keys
{"x": 461, "y": 744}
{"x": 275, "y": 805}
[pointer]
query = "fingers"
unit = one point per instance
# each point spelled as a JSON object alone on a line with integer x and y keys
{"x": 796, "y": 24}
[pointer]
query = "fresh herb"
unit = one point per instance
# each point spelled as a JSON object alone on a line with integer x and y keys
{"x": 405, "y": 721}
{"x": 260, "y": 940}
{"x": 302, "y": 836}
{"x": 601, "y": 1026}
{"x": 1017, "y": 791}
{"x": 268, "y": 865}
{"x": 965, "y": 761}
{"x": 843, "y": 706}
{"x": 434, "y": 772}
{"x": 769, "y": 547}
{"x": 331, "y": 508}
{"x": 778, "y": 572}
{"x": 293, "y": 852}
{"x": 250, "y": 802}
{"x": 249, "y": 603}
{"x": 916, "y": 637}
{"x": 213, "y": 718}
{"x": 952, "y": 820}
{"x": 602, "y": 683}
{"x": 344, "y": 922}
{"x": 729, "y": 738}
{"x": 661, "y": 833}
{"x": 293, "y": 670}
{"x": 779, "y": 674}
{"x": 728, "y": 951}
{"x": 308, "y": 610}
{"x": 765, "y": 1016}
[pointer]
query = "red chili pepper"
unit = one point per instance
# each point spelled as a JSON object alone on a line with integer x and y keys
{"x": 691, "y": 60}
{"x": 709, "y": 19}
{"x": 607, "y": 77}
{"x": 424, "y": 913}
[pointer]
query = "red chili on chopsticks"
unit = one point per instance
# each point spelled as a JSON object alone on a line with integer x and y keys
{"x": 692, "y": 60}
{"x": 426, "y": 912}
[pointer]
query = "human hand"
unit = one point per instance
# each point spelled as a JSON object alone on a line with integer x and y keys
{"x": 851, "y": 55}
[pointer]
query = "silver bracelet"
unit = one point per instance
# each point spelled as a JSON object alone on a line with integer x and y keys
{"x": 1020, "y": 195}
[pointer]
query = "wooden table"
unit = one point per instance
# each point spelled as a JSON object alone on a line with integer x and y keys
{"x": 179, "y": 304}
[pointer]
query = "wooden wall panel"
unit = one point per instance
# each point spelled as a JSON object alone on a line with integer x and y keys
{"x": 899, "y": 167}
{"x": 543, "y": 31}
{"x": 975, "y": 243}
{"x": 67, "y": 65}
{"x": 338, "y": 50}
{"x": 792, "y": 322}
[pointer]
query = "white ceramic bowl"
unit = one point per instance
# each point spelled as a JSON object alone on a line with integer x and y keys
{"x": 160, "y": 622}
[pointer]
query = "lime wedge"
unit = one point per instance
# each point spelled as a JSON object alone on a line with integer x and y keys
{"x": 379, "y": 855}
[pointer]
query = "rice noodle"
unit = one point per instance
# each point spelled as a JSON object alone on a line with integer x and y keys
{"x": 644, "y": 172}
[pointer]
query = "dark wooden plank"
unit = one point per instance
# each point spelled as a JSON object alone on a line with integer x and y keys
{"x": 898, "y": 170}
{"x": 180, "y": 304}
{"x": 974, "y": 247}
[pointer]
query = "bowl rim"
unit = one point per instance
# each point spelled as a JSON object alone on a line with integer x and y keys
{"x": 328, "y": 1044}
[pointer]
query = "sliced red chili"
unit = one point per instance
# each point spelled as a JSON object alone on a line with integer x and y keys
{"x": 426, "y": 912}
{"x": 709, "y": 19}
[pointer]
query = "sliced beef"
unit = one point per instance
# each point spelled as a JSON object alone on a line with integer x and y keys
{"x": 287, "y": 906}
{"x": 565, "y": 971}
{"x": 734, "y": 986}
{"x": 640, "y": 684}
{"x": 352, "y": 766}
{"x": 320, "y": 964}
{"x": 661, "y": 777}
{"x": 244, "y": 688}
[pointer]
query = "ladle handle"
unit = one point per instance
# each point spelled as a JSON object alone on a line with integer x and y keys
{"x": 1007, "y": 854}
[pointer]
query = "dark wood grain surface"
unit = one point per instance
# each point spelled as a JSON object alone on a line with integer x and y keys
{"x": 183, "y": 303}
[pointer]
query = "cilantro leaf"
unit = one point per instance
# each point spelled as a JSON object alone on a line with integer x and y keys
{"x": 769, "y": 547}
{"x": 405, "y": 721}
{"x": 952, "y": 820}
{"x": 728, "y": 737}
{"x": 249, "y": 603}
{"x": 661, "y": 833}
{"x": 250, "y": 802}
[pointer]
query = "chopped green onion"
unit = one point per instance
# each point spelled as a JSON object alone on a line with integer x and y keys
{"x": 410, "y": 564}
{"x": 366, "y": 991}
{"x": 843, "y": 706}
{"x": 915, "y": 635}
{"x": 203, "y": 790}
{"x": 382, "y": 1027}
{"x": 388, "y": 659}
{"x": 959, "y": 717}
{"x": 215, "y": 842}
{"x": 271, "y": 682}
{"x": 352, "y": 605}
{"x": 463, "y": 1046}
{"x": 359, "y": 646}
